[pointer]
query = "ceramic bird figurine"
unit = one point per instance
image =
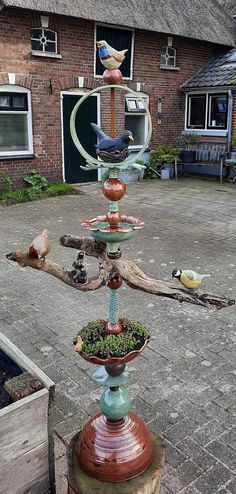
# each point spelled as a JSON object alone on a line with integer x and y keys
{"x": 109, "y": 144}
{"x": 40, "y": 247}
{"x": 109, "y": 57}
{"x": 188, "y": 278}
{"x": 79, "y": 344}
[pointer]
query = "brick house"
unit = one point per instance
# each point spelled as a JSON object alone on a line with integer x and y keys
{"x": 48, "y": 60}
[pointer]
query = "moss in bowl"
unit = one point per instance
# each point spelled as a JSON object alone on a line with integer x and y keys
{"x": 96, "y": 342}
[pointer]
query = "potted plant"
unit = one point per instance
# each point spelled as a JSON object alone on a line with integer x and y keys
{"x": 188, "y": 142}
{"x": 97, "y": 346}
{"x": 163, "y": 158}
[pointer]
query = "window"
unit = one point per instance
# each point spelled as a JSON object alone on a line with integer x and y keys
{"x": 168, "y": 57}
{"x": 217, "y": 117}
{"x": 43, "y": 40}
{"x": 197, "y": 111}
{"x": 15, "y": 121}
{"x": 207, "y": 111}
{"x": 120, "y": 39}
{"x": 136, "y": 119}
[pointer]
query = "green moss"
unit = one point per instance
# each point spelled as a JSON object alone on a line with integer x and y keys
{"x": 96, "y": 342}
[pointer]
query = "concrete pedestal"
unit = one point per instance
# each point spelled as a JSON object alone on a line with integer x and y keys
{"x": 147, "y": 483}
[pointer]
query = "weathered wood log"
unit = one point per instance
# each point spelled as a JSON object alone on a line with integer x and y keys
{"x": 56, "y": 270}
{"x": 23, "y": 385}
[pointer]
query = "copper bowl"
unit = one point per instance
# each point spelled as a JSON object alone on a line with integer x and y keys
{"x": 117, "y": 360}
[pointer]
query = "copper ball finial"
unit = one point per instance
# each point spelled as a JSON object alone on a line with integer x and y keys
{"x": 114, "y": 189}
{"x": 112, "y": 76}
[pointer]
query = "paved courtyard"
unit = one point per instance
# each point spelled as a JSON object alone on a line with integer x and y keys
{"x": 183, "y": 385}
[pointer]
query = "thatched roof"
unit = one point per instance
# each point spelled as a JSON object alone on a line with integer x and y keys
{"x": 198, "y": 19}
{"x": 229, "y": 6}
{"x": 218, "y": 72}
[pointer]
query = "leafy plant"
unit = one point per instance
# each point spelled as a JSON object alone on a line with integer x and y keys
{"x": 36, "y": 181}
{"x": 150, "y": 172}
{"x": 233, "y": 141}
{"x": 97, "y": 342}
{"x": 6, "y": 182}
{"x": 163, "y": 154}
{"x": 188, "y": 140}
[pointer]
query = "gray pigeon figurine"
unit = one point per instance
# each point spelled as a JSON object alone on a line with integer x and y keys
{"x": 111, "y": 144}
{"x": 109, "y": 57}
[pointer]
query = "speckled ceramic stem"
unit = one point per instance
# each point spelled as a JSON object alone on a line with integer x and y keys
{"x": 113, "y": 306}
{"x": 113, "y": 310}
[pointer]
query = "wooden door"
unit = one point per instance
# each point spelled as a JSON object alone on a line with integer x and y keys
{"x": 72, "y": 158}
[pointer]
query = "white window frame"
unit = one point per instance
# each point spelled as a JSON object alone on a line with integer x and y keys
{"x": 38, "y": 39}
{"x": 214, "y": 131}
{"x": 210, "y": 96}
{"x": 111, "y": 26}
{"x": 165, "y": 65}
{"x": 19, "y": 89}
{"x": 137, "y": 113}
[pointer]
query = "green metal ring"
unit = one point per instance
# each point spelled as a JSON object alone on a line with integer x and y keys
{"x": 77, "y": 142}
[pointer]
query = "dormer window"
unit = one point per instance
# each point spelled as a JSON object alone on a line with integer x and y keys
{"x": 43, "y": 41}
{"x": 168, "y": 57}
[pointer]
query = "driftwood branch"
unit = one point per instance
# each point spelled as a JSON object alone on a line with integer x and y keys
{"x": 58, "y": 271}
{"x": 90, "y": 246}
{"x": 135, "y": 278}
{"x": 131, "y": 274}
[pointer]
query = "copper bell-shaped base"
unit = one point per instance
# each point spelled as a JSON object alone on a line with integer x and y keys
{"x": 114, "y": 451}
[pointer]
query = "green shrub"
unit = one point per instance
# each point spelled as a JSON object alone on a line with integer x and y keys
{"x": 163, "y": 154}
{"x": 36, "y": 181}
{"x": 189, "y": 140}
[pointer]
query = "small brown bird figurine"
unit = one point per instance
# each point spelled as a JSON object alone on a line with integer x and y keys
{"x": 40, "y": 247}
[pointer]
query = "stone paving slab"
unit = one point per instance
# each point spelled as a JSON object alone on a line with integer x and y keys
{"x": 184, "y": 383}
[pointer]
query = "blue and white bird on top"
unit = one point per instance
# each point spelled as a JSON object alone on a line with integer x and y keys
{"x": 109, "y": 57}
{"x": 111, "y": 144}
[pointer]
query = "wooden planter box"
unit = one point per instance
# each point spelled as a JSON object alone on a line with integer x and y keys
{"x": 26, "y": 435}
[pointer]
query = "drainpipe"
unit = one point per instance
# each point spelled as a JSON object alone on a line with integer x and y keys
{"x": 230, "y": 117}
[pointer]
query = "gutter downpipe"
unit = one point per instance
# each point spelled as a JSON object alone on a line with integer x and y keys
{"x": 230, "y": 116}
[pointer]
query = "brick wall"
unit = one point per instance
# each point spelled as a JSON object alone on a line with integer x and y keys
{"x": 46, "y": 77}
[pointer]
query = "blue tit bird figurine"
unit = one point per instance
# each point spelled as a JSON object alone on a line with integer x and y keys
{"x": 109, "y": 57}
{"x": 111, "y": 144}
{"x": 188, "y": 278}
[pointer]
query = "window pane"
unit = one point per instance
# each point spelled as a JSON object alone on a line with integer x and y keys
{"x": 136, "y": 123}
{"x": 50, "y": 47}
{"x": 4, "y": 101}
{"x": 36, "y": 45}
{"x": 19, "y": 101}
{"x": 218, "y": 111}
{"x": 197, "y": 111}
{"x": 50, "y": 35}
{"x": 171, "y": 61}
{"x": 120, "y": 40}
{"x": 36, "y": 33}
{"x": 13, "y": 132}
